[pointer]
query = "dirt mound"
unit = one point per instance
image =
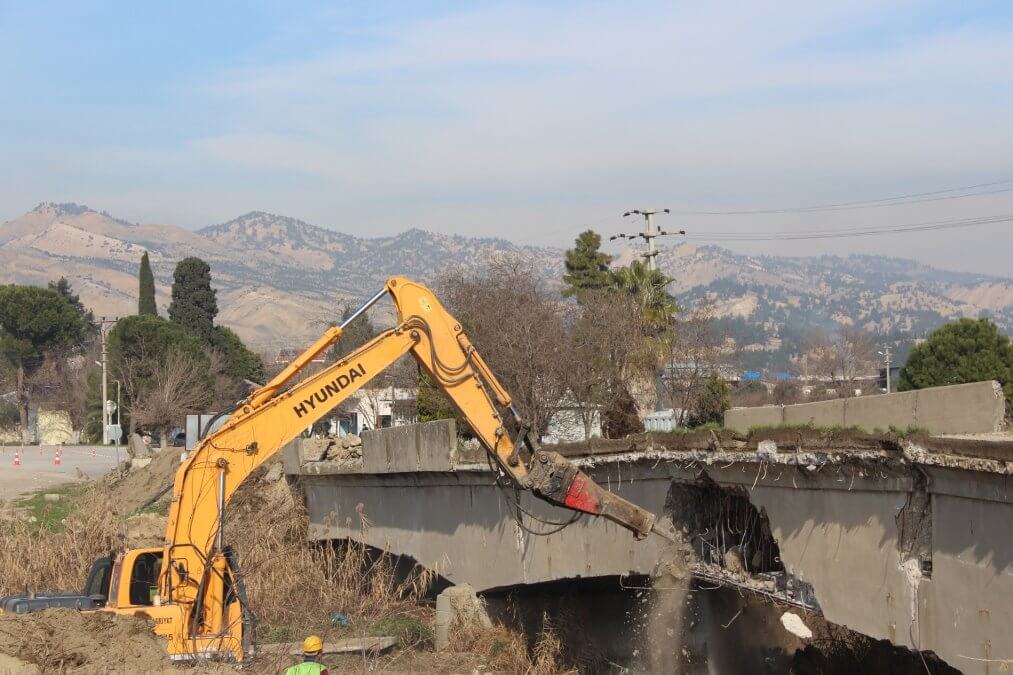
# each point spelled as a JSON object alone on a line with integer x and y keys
{"x": 136, "y": 487}
{"x": 66, "y": 640}
{"x": 146, "y": 529}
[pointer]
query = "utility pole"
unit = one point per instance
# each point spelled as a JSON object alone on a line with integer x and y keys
{"x": 103, "y": 322}
{"x": 105, "y": 386}
{"x": 886, "y": 361}
{"x": 649, "y": 234}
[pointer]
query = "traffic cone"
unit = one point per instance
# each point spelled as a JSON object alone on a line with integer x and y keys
{"x": 93, "y": 452}
{"x": 17, "y": 458}
{"x": 56, "y": 458}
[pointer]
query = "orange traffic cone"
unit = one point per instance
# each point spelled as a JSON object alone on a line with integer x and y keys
{"x": 17, "y": 458}
{"x": 93, "y": 452}
{"x": 56, "y": 458}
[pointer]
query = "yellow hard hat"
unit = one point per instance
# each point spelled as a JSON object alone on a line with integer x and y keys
{"x": 312, "y": 645}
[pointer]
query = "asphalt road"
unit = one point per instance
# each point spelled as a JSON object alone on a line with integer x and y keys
{"x": 38, "y": 470}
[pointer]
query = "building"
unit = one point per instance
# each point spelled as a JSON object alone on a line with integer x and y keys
{"x": 374, "y": 408}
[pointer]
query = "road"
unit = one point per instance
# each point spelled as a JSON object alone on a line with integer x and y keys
{"x": 37, "y": 469}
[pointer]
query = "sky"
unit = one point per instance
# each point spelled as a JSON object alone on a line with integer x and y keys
{"x": 527, "y": 121}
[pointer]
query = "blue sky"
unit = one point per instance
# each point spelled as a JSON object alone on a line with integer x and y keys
{"x": 523, "y": 120}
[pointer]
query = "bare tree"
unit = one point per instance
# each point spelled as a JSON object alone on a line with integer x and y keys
{"x": 516, "y": 322}
{"x": 856, "y": 353}
{"x": 694, "y": 353}
{"x": 840, "y": 358}
{"x": 178, "y": 388}
{"x": 61, "y": 383}
{"x": 609, "y": 345}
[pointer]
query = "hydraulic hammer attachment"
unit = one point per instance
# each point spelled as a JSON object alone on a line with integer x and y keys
{"x": 556, "y": 479}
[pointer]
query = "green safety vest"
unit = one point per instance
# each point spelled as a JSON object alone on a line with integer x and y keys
{"x": 306, "y": 668}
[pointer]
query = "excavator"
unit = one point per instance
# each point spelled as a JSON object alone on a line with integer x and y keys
{"x": 192, "y": 587}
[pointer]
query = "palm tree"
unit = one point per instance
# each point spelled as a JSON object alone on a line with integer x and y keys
{"x": 649, "y": 288}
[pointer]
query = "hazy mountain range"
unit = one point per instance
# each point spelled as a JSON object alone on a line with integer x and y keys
{"x": 281, "y": 280}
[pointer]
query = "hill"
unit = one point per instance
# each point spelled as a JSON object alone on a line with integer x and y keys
{"x": 281, "y": 280}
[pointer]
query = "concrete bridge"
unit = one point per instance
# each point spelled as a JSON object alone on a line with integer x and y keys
{"x": 906, "y": 540}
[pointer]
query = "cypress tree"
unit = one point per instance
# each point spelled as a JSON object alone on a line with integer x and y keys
{"x": 146, "y": 295}
{"x": 194, "y": 306}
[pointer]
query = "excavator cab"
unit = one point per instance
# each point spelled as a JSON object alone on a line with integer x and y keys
{"x": 96, "y": 587}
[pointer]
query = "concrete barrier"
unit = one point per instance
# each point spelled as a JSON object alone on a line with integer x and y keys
{"x": 882, "y": 412}
{"x": 978, "y": 407}
{"x": 431, "y": 446}
{"x": 820, "y": 414}
{"x": 744, "y": 419}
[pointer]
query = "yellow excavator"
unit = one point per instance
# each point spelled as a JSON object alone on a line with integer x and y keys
{"x": 192, "y": 588}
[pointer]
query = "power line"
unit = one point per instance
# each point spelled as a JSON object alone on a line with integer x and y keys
{"x": 899, "y": 200}
{"x": 851, "y": 233}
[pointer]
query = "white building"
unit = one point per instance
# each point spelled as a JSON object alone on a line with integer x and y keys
{"x": 374, "y": 408}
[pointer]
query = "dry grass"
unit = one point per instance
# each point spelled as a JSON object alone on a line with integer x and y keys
{"x": 294, "y": 589}
{"x": 505, "y": 650}
{"x": 36, "y": 557}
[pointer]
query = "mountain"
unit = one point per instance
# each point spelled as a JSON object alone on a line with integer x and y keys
{"x": 301, "y": 257}
{"x": 771, "y": 305}
{"x": 281, "y": 280}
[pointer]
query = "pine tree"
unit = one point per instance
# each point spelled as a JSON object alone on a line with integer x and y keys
{"x": 146, "y": 295}
{"x": 35, "y": 323}
{"x": 968, "y": 350}
{"x": 194, "y": 306}
{"x": 63, "y": 287}
{"x": 587, "y": 268}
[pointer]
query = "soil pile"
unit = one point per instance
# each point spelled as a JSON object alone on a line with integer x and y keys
{"x": 133, "y": 490}
{"x": 66, "y": 640}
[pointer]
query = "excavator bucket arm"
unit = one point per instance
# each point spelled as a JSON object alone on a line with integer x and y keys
{"x": 198, "y": 574}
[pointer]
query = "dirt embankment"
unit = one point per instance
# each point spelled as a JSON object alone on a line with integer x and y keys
{"x": 136, "y": 487}
{"x": 68, "y": 641}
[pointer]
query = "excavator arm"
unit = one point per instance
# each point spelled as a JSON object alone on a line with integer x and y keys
{"x": 198, "y": 576}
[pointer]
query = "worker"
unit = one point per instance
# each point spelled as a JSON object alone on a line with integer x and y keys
{"x": 312, "y": 648}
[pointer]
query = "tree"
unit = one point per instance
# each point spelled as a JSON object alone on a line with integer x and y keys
{"x": 431, "y": 403}
{"x": 711, "y": 403}
{"x": 609, "y": 347}
{"x": 694, "y": 351}
{"x": 968, "y": 350}
{"x": 146, "y": 293}
{"x": 587, "y": 268}
{"x": 237, "y": 359}
{"x": 354, "y": 335}
{"x": 649, "y": 288}
{"x": 193, "y": 306}
{"x": 841, "y": 358}
{"x": 621, "y": 418}
{"x": 62, "y": 286}
{"x": 516, "y": 323}
{"x": 178, "y": 387}
{"x": 138, "y": 347}
{"x": 35, "y": 324}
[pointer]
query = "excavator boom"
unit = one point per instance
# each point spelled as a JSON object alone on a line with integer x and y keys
{"x": 199, "y": 605}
